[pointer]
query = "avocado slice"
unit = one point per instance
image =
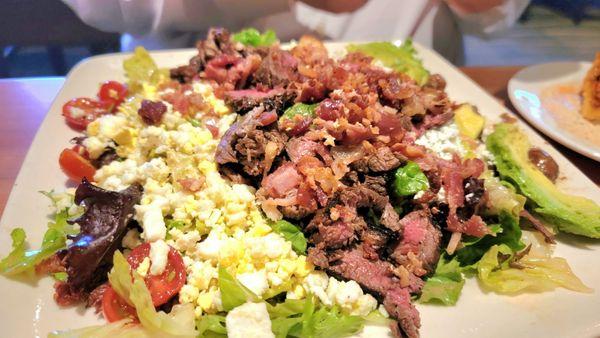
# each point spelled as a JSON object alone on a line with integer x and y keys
{"x": 574, "y": 214}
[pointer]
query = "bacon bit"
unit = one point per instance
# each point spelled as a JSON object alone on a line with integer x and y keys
{"x": 282, "y": 181}
{"x": 539, "y": 226}
{"x": 214, "y": 130}
{"x": 52, "y": 264}
{"x": 95, "y": 299}
{"x": 192, "y": 184}
{"x": 270, "y": 153}
{"x": 453, "y": 243}
{"x": 267, "y": 118}
{"x": 64, "y": 296}
{"x": 402, "y": 273}
{"x": 152, "y": 112}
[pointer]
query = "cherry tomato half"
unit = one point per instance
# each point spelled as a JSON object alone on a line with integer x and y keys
{"x": 75, "y": 166}
{"x": 81, "y": 111}
{"x": 114, "y": 308}
{"x": 166, "y": 285}
{"x": 113, "y": 92}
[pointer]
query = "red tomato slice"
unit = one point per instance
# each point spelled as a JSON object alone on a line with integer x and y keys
{"x": 162, "y": 287}
{"x": 113, "y": 92}
{"x": 76, "y": 166}
{"x": 81, "y": 111}
{"x": 114, "y": 308}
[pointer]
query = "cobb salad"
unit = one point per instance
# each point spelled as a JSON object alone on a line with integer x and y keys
{"x": 268, "y": 192}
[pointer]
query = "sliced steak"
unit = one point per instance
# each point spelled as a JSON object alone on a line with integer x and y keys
{"x": 245, "y": 142}
{"x": 377, "y": 276}
{"x": 278, "y": 68}
{"x": 242, "y": 101}
{"x": 420, "y": 243}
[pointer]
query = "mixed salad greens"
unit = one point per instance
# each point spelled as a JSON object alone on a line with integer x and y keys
{"x": 506, "y": 260}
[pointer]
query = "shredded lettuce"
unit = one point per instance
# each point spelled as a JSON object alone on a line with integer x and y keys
{"x": 401, "y": 58}
{"x": 20, "y": 260}
{"x": 252, "y": 37}
{"x": 409, "y": 180}
{"x": 140, "y": 68}
{"x": 531, "y": 274}
{"x": 291, "y": 233}
{"x": 233, "y": 293}
{"x": 446, "y": 283}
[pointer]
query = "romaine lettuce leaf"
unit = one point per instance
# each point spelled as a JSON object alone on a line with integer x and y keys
{"x": 252, "y": 37}
{"x": 20, "y": 260}
{"x": 534, "y": 274}
{"x": 507, "y": 232}
{"x": 401, "y": 58}
{"x": 233, "y": 293}
{"x": 446, "y": 283}
{"x": 502, "y": 196}
{"x": 409, "y": 180}
{"x": 291, "y": 233}
{"x": 140, "y": 68}
{"x": 211, "y": 326}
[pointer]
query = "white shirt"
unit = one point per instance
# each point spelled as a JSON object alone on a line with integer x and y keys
{"x": 158, "y": 24}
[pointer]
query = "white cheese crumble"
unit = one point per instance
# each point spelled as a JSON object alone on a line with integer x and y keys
{"x": 249, "y": 320}
{"x": 444, "y": 141}
{"x": 159, "y": 255}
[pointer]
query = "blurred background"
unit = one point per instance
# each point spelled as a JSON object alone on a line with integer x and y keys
{"x": 45, "y": 38}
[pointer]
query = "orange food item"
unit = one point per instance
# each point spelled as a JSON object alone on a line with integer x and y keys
{"x": 591, "y": 92}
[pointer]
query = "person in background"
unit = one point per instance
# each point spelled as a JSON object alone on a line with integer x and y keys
{"x": 439, "y": 24}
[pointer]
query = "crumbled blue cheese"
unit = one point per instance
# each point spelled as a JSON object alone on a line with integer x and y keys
{"x": 443, "y": 141}
{"x": 249, "y": 320}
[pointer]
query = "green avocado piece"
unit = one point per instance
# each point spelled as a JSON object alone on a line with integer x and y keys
{"x": 574, "y": 214}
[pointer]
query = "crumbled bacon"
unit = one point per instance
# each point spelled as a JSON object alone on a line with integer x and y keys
{"x": 152, "y": 112}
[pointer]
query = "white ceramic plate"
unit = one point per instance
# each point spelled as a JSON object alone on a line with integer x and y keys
{"x": 28, "y": 309}
{"x": 524, "y": 90}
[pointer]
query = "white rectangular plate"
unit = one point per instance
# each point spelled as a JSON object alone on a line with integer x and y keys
{"x": 29, "y": 310}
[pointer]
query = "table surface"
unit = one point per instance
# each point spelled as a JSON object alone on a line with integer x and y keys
{"x": 25, "y": 102}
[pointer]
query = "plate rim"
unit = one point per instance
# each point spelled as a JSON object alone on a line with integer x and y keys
{"x": 558, "y": 136}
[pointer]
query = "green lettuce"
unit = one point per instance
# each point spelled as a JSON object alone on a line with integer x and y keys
{"x": 301, "y": 109}
{"x": 20, "y": 260}
{"x": 140, "y": 68}
{"x": 252, "y": 37}
{"x": 291, "y": 233}
{"x": 530, "y": 274}
{"x": 502, "y": 196}
{"x": 233, "y": 293}
{"x": 211, "y": 326}
{"x": 178, "y": 323}
{"x": 409, "y": 180}
{"x": 446, "y": 283}
{"x": 401, "y": 58}
{"x": 507, "y": 231}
